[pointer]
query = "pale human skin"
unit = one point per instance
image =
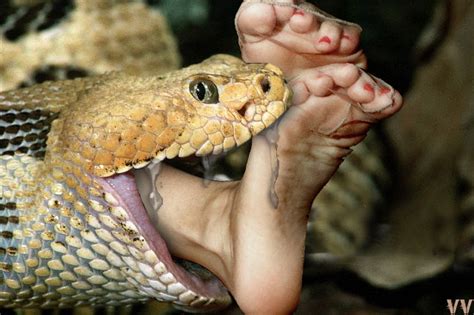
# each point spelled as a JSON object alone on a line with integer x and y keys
{"x": 233, "y": 228}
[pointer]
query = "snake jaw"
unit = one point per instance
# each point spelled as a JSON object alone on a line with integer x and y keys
{"x": 143, "y": 119}
{"x": 214, "y": 129}
{"x": 161, "y": 277}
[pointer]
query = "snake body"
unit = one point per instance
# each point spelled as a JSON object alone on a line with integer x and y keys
{"x": 69, "y": 38}
{"x": 73, "y": 228}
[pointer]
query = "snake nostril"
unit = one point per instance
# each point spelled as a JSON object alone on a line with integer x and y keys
{"x": 243, "y": 110}
{"x": 265, "y": 85}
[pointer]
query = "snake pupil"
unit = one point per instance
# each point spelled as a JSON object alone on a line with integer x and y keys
{"x": 204, "y": 91}
{"x": 200, "y": 91}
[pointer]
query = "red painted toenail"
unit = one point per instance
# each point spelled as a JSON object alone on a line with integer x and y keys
{"x": 298, "y": 12}
{"x": 385, "y": 90}
{"x": 368, "y": 87}
{"x": 325, "y": 39}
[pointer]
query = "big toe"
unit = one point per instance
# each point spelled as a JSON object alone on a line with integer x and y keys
{"x": 249, "y": 13}
{"x": 302, "y": 22}
{"x": 256, "y": 18}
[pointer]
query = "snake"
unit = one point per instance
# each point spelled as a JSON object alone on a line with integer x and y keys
{"x": 73, "y": 226}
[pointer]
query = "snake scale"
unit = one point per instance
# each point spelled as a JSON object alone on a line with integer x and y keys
{"x": 73, "y": 228}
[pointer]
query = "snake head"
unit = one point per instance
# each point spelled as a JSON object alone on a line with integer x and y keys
{"x": 234, "y": 101}
{"x": 126, "y": 122}
{"x": 122, "y": 123}
{"x": 99, "y": 129}
{"x": 227, "y": 102}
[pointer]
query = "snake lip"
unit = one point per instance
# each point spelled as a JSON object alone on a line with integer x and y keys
{"x": 173, "y": 282}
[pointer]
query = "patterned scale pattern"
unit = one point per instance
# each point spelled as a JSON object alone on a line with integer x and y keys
{"x": 68, "y": 238}
{"x": 20, "y": 18}
{"x": 24, "y": 131}
{"x": 17, "y": 200}
{"x": 62, "y": 254}
{"x": 87, "y": 36}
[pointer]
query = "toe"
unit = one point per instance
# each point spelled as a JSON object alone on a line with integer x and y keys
{"x": 388, "y": 95}
{"x": 284, "y": 12}
{"x": 373, "y": 94}
{"x": 302, "y": 22}
{"x": 363, "y": 90}
{"x": 300, "y": 92}
{"x": 349, "y": 40}
{"x": 385, "y": 106}
{"x": 328, "y": 37}
{"x": 343, "y": 75}
{"x": 397, "y": 103}
{"x": 250, "y": 12}
{"x": 321, "y": 86}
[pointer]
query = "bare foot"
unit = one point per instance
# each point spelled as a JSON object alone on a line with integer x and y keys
{"x": 333, "y": 108}
{"x": 234, "y": 230}
{"x": 295, "y": 37}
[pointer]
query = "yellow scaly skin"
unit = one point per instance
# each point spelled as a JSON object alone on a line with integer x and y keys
{"x": 65, "y": 239}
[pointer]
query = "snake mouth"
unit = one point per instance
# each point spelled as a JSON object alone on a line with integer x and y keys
{"x": 187, "y": 285}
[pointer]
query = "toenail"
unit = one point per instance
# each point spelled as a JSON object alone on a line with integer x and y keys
{"x": 346, "y": 36}
{"x": 384, "y": 90}
{"x": 368, "y": 87}
{"x": 325, "y": 39}
{"x": 298, "y": 12}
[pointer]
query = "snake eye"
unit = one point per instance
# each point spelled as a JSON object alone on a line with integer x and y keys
{"x": 204, "y": 91}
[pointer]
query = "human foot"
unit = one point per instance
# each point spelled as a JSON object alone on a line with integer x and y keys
{"x": 314, "y": 136}
{"x": 295, "y": 37}
{"x": 333, "y": 108}
{"x": 234, "y": 230}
